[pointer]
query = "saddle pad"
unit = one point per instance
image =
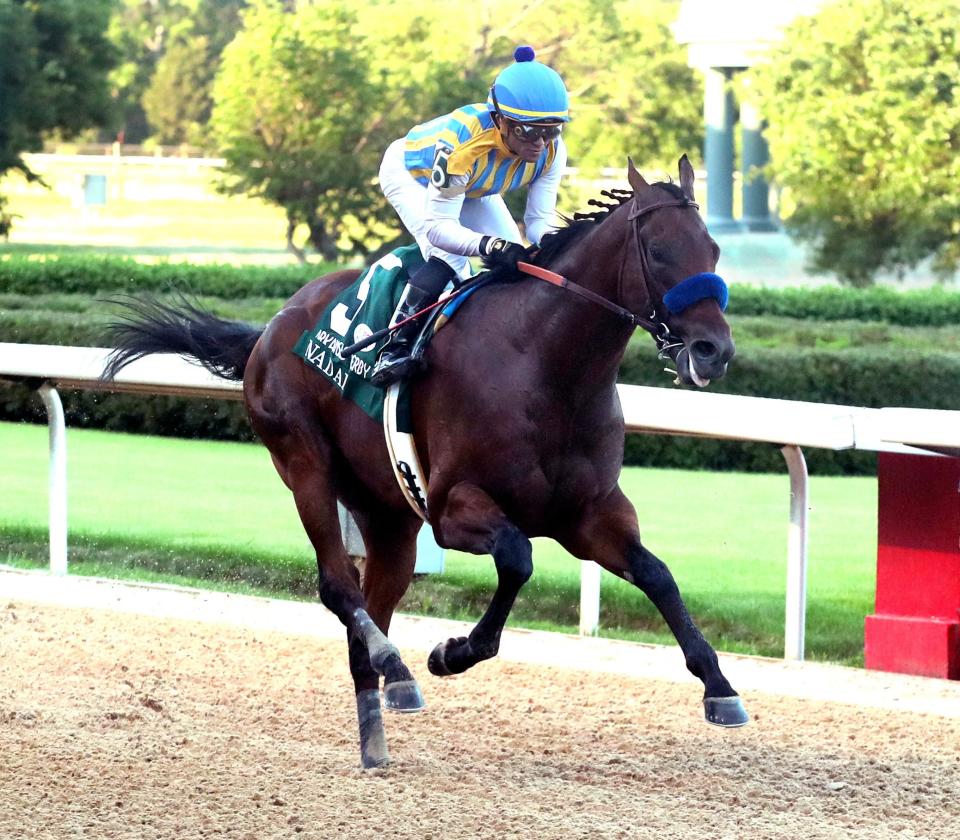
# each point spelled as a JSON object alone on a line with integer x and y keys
{"x": 360, "y": 310}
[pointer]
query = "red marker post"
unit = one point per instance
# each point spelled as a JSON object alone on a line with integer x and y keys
{"x": 916, "y": 626}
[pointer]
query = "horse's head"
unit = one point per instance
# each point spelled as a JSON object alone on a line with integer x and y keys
{"x": 675, "y": 258}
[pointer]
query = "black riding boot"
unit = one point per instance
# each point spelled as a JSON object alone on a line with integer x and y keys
{"x": 394, "y": 362}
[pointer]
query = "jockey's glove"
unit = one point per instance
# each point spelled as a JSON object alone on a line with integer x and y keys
{"x": 497, "y": 252}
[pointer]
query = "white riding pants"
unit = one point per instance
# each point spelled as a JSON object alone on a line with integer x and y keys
{"x": 487, "y": 216}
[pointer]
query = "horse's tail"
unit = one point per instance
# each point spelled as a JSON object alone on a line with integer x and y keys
{"x": 150, "y": 326}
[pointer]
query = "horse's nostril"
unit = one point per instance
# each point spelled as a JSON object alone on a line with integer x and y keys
{"x": 705, "y": 351}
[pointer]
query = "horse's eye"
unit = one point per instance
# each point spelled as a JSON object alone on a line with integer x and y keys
{"x": 659, "y": 254}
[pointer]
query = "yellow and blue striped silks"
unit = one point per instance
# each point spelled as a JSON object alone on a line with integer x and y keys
{"x": 475, "y": 148}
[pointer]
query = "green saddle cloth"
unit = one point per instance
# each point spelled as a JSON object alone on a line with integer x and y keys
{"x": 360, "y": 310}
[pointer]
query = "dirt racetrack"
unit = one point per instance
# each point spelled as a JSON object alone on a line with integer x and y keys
{"x": 121, "y": 717}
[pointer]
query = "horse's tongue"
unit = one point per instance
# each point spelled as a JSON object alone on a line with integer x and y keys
{"x": 697, "y": 379}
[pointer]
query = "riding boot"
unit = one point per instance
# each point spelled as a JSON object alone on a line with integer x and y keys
{"x": 394, "y": 362}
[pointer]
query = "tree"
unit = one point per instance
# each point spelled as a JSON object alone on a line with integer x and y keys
{"x": 863, "y": 105}
{"x": 631, "y": 92}
{"x": 178, "y": 100}
{"x": 170, "y": 53}
{"x": 53, "y": 73}
{"x": 53, "y": 77}
{"x": 302, "y": 121}
{"x": 139, "y": 31}
{"x": 631, "y": 89}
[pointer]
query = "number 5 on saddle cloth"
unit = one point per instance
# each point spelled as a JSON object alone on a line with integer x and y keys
{"x": 365, "y": 307}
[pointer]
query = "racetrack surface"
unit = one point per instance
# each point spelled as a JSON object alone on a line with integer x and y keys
{"x": 134, "y": 712}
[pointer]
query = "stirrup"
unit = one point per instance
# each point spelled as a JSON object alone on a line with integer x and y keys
{"x": 387, "y": 370}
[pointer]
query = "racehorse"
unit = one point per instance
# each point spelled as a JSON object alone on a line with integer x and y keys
{"x": 517, "y": 422}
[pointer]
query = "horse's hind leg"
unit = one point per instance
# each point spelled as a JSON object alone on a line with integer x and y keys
{"x": 609, "y": 535}
{"x": 391, "y": 546}
{"x": 306, "y": 472}
{"x": 471, "y": 521}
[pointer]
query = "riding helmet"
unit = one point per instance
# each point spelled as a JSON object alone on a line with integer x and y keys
{"x": 528, "y": 91}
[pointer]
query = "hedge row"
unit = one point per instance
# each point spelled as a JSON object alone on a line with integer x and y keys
{"x": 92, "y": 275}
{"x": 98, "y": 275}
{"x": 934, "y": 307}
{"x": 920, "y": 379}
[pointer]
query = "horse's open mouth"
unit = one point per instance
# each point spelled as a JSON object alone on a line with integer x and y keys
{"x": 687, "y": 369}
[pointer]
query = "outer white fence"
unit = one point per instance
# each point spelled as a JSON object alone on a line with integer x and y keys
{"x": 786, "y": 423}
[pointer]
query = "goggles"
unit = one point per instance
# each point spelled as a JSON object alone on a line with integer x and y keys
{"x": 525, "y": 131}
{"x": 532, "y": 133}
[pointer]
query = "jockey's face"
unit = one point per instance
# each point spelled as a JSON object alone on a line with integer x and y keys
{"x": 527, "y": 140}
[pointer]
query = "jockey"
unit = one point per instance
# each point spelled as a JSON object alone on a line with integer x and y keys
{"x": 447, "y": 177}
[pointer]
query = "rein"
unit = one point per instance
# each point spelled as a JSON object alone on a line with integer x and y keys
{"x": 653, "y": 324}
{"x": 562, "y": 282}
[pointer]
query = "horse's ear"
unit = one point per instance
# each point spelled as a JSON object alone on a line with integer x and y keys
{"x": 634, "y": 177}
{"x": 686, "y": 178}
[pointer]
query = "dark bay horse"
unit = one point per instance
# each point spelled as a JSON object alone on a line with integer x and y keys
{"x": 517, "y": 422}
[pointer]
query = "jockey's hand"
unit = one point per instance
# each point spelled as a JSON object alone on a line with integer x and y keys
{"x": 497, "y": 252}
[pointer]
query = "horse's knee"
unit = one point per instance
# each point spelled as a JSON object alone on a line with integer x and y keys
{"x": 513, "y": 556}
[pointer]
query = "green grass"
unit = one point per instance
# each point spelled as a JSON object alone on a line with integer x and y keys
{"x": 166, "y": 210}
{"x": 205, "y": 513}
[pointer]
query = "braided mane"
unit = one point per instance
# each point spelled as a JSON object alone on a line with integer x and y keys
{"x": 577, "y": 225}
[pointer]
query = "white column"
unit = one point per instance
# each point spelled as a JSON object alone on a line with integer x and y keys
{"x": 589, "y": 598}
{"x": 57, "y": 479}
{"x": 794, "y": 626}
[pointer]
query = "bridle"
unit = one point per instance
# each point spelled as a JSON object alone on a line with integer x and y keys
{"x": 653, "y": 323}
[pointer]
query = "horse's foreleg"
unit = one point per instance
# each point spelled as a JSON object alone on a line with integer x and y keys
{"x": 471, "y": 521}
{"x": 609, "y": 535}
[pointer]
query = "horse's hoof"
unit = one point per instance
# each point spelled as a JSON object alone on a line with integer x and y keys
{"x": 437, "y": 663}
{"x": 372, "y": 762}
{"x": 403, "y": 696}
{"x": 725, "y": 711}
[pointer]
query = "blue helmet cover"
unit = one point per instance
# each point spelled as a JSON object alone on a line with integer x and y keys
{"x": 528, "y": 91}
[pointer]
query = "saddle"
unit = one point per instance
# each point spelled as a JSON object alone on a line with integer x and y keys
{"x": 366, "y": 306}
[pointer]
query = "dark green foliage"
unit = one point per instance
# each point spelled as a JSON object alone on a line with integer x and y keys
{"x": 858, "y": 377}
{"x": 54, "y": 62}
{"x": 921, "y": 307}
{"x": 95, "y": 275}
{"x": 738, "y": 456}
{"x": 189, "y": 417}
{"x": 71, "y": 273}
